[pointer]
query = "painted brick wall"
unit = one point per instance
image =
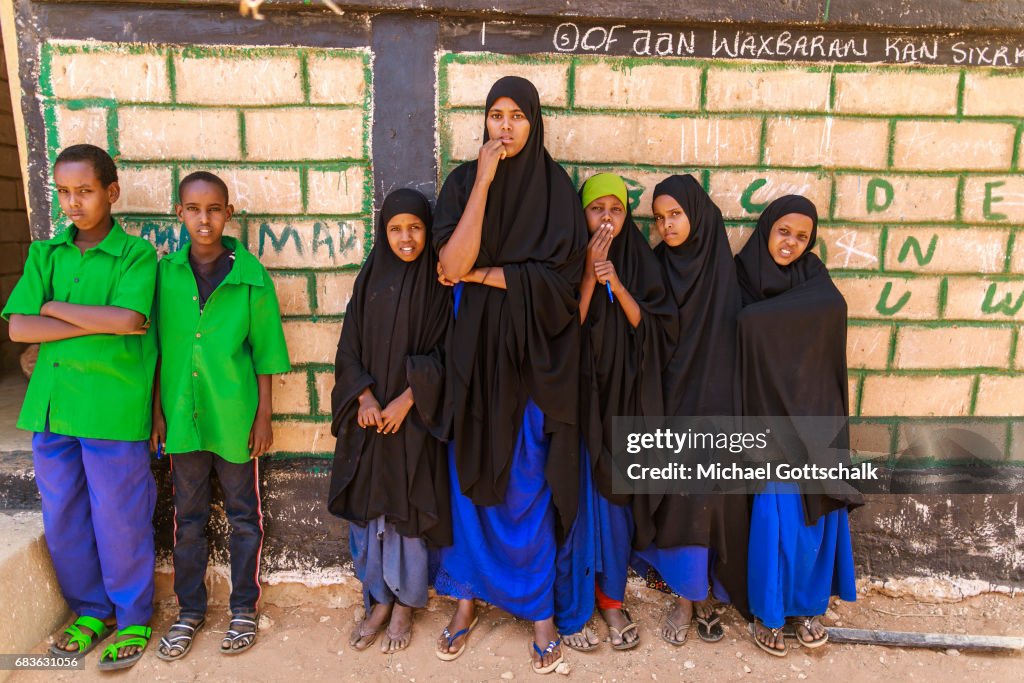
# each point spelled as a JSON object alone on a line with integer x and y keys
{"x": 14, "y": 233}
{"x": 915, "y": 172}
{"x": 288, "y": 130}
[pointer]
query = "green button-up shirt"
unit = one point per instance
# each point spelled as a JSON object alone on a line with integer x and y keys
{"x": 99, "y": 386}
{"x": 209, "y": 360}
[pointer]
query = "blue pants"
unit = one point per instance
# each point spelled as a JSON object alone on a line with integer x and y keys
{"x": 98, "y": 498}
{"x": 191, "y": 477}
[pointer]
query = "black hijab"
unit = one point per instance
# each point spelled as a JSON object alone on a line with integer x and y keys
{"x": 700, "y": 380}
{"x": 702, "y": 278}
{"x": 621, "y": 365}
{"x": 392, "y": 339}
{"x": 523, "y": 342}
{"x": 792, "y": 343}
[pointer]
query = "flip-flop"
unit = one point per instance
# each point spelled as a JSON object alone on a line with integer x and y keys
{"x": 709, "y": 629}
{"x": 631, "y": 626}
{"x": 385, "y": 645}
{"x": 85, "y": 642}
{"x": 139, "y": 636}
{"x": 552, "y": 644}
{"x": 752, "y": 627}
{"x": 232, "y": 635}
{"x": 677, "y": 642}
{"x": 582, "y": 633}
{"x": 790, "y": 630}
{"x": 450, "y": 656}
{"x": 372, "y": 635}
{"x": 185, "y": 633}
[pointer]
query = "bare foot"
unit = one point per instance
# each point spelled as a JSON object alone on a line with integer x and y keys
{"x": 677, "y": 622}
{"x": 463, "y": 617}
{"x": 399, "y": 631}
{"x": 616, "y": 619}
{"x": 366, "y": 631}
{"x": 544, "y": 632}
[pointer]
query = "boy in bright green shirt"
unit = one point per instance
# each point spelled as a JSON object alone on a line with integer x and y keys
{"x": 86, "y": 297}
{"x": 221, "y": 341}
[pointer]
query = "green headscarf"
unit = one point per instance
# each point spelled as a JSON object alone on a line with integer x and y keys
{"x": 602, "y": 185}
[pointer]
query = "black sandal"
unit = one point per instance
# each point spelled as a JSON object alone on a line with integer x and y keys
{"x": 709, "y": 628}
{"x": 178, "y": 641}
{"x": 247, "y": 636}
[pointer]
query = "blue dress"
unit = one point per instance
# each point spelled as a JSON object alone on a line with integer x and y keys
{"x": 793, "y": 569}
{"x": 507, "y": 554}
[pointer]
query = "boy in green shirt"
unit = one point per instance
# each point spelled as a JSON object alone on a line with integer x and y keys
{"x": 86, "y": 297}
{"x": 221, "y": 340}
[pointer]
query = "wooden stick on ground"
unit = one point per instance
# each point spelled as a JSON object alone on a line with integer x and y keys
{"x": 940, "y": 641}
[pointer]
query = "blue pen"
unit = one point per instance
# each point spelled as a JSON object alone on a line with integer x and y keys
{"x": 608, "y": 285}
{"x": 159, "y": 451}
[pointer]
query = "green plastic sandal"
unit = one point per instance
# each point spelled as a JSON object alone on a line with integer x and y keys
{"x": 140, "y": 635}
{"x": 85, "y": 642}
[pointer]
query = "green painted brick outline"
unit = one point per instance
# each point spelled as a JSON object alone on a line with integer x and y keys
{"x": 51, "y": 102}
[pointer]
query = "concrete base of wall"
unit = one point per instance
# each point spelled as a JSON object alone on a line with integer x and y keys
{"x": 971, "y": 539}
{"x": 32, "y": 604}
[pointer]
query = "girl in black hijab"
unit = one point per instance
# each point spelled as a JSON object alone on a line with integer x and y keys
{"x": 511, "y": 236}
{"x": 690, "y": 545}
{"x": 626, "y": 312}
{"x": 390, "y": 477}
{"x": 792, "y": 343}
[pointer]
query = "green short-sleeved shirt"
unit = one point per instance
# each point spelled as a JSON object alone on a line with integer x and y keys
{"x": 99, "y": 386}
{"x": 209, "y": 360}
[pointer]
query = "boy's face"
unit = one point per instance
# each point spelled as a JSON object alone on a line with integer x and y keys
{"x": 407, "y": 236}
{"x": 507, "y": 122}
{"x": 83, "y": 199}
{"x": 789, "y": 238}
{"x": 606, "y": 210}
{"x": 670, "y": 220}
{"x": 204, "y": 210}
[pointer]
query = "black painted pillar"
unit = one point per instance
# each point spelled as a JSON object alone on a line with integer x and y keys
{"x": 405, "y": 104}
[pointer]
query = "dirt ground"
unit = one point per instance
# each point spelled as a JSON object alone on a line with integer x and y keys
{"x": 306, "y": 641}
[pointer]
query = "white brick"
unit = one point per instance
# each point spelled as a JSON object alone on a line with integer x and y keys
{"x": 828, "y": 142}
{"x": 307, "y": 243}
{"x": 144, "y": 190}
{"x": 994, "y": 93}
{"x": 738, "y": 89}
{"x": 335, "y": 79}
{"x": 913, "y": 198}
{"x": 78, "y": 126}
{"x": 896, "y": 92}
{"x": 336, "y": 192}
{"x": 299, "y": 134}
{"x": 113, "y": 74}
{"x": 238, "y": 79}
{"x": 728, "y": 187}
{"x": 261, "y": 190}
{"x": 469, "y": 83}
{"x": 614, "y": 85}
{"x": 147, "y": 133}
{"x": 946, "y": 145}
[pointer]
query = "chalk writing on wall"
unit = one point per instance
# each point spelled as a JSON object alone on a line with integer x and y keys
{"x": 638, "y": 40}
